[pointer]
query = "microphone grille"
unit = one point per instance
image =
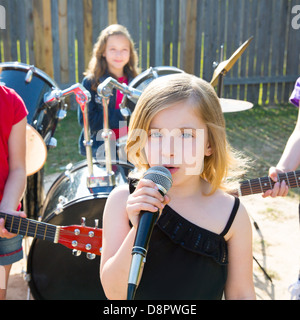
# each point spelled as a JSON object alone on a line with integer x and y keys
{"x": 161, "y": 176}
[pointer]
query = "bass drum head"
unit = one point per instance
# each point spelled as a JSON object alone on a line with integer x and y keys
{"x": 55, "y": 274}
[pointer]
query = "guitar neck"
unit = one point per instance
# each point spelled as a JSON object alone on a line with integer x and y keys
{"x": 31, "y": 228}
{"x": 261, "y": 185}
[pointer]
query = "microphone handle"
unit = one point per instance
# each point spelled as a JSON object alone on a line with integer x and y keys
{"x": 139, "y": 250}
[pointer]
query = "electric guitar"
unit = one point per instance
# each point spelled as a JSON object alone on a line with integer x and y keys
{"x": 261, "y": 185}
{"x": 78, "y": 238}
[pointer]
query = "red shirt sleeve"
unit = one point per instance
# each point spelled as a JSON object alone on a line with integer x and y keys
{"x": 20, "y": 110}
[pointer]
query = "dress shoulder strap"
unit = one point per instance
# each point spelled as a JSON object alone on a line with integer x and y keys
{"x": 232, "y": 216}
{"x": 132, "y": 184}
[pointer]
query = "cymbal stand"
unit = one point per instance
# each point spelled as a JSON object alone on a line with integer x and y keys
{"x": 222, "y": 74}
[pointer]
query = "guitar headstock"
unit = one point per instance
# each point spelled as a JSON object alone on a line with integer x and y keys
{"x": 82, "y": 239}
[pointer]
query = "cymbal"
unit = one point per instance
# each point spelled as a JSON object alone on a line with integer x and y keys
{"x": 226, "y": 65}
{"x": 231, "y": 105}
{"x": 36, "y": 151}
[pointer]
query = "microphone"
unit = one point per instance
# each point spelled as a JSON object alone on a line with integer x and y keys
{"x": 163, "y": 179}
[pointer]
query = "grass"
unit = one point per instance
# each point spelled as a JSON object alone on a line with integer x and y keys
{"x": 260, "y": 134}
{"x": 66, "y": 134}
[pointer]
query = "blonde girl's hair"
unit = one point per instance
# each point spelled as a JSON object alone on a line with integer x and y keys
{"x": 168, "y": 90}
{"x": 98, "y": 65}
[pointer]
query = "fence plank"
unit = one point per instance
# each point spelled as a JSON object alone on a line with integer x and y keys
{"x": 63, "y": 40}
{"x": 39, "y": 46}
{"x": 112, "y": 12}
{"x": 80, "y": 39}
{"x": 47, "y": 33}
{"x": 188, "y": 35}
{"x": 71, "y": 40}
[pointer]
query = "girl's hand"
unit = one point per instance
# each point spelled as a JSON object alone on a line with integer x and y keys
{"x": 145, "y": 197}
{"x": 3, "y": 232}
{"x": 279, "y": 189}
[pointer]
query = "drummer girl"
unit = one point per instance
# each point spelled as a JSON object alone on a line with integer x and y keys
{"x": 201, "y": 245}
{"x": 114, "y": 56}
{"x": 12, "y": 176}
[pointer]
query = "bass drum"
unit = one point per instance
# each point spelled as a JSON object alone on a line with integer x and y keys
{"x": 54, "y": 273}
{"x": 142, "y": 80}
{"x": 31, "y": 84}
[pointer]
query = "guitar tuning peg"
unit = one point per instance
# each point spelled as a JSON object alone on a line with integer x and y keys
{"x": 76, "y": 253}
{"x": 83, "y": 221}
{"x": 90, "y": 256}
{"x": 96, "y": 223}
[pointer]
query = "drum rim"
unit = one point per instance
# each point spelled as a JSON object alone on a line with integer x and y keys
{"x": 76, "y": 166}
{"x": 83, "y": 163}
{"x": 99, "y": 195}
{"x": 142, "y": 75}
{"x": 25, "y": 67}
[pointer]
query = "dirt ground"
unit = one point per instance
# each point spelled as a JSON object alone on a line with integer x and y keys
{"x": 275, "y": 246}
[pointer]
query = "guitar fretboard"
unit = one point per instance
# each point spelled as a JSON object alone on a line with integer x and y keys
{"x": 261, "y": 185}
{"x": 28, "y": 227}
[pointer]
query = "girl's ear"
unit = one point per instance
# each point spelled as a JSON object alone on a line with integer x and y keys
{"x": 208, "y": 150}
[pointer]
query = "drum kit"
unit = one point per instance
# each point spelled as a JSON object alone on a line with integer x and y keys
{"x": 80, "y": 192}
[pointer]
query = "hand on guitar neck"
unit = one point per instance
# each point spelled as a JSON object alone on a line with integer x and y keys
{"x": 4, "y": 232}
{"x": 276, "y": 184}
{"x": 280, "y": 189}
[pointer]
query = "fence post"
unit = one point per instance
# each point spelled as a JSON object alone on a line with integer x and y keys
{"x": 188, "y": 13}
{"x": 63, "y": 40}
{"x": 159, "y": 32}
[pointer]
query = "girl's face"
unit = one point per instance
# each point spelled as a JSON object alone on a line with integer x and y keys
{"x": 177, "y": 140}
{"x": 117, "y": 54}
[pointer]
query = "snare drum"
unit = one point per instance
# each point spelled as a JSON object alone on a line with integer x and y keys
{"x": 54, "y": 272}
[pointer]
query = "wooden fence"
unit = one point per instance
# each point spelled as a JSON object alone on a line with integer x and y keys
{"x": 57, "y": 36}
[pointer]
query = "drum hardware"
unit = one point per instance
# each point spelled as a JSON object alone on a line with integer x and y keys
{"x": 62, "y": 113}
{"x": 52, "y": 143}
{"x": 29, "y": 74}
{"x": 105, "y": 90}
{"x": 83, "y": 96}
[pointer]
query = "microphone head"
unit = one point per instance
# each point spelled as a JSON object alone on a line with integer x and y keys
{"x": 161, "y": 176}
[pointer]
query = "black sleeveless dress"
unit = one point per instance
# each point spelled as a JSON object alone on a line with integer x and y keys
{"x": 184, "y": 261}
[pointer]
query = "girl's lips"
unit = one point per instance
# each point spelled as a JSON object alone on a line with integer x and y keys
{"x": 172, "y": 169}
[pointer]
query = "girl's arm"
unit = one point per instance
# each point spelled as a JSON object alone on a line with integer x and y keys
{"x": 289, "y": 161}
{"x": 117, "y": 243}
{"x": 239, "y": 285}
{"x": 16, "y": 181}
{"x": 121, "y": 209}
